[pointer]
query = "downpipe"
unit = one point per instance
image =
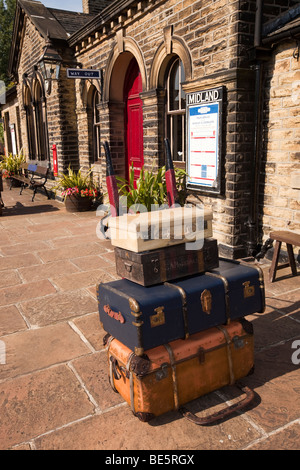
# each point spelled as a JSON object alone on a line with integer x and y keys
{"x": 252, "y": 223}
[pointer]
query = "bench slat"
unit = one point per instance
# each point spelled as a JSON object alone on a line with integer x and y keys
{"x": 27, "y": 177}
{"x": 286, "y": 237}
{"x": 290, "y": 238}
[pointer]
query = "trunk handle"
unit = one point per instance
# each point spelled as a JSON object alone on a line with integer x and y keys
{"x": 222, "y": 413}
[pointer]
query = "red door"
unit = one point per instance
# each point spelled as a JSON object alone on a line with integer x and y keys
{"x": 133, "y": 119}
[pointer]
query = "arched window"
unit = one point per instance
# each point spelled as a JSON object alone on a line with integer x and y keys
{"x": 40, "y": 125}
{"x": 96, "y": 125}
{"x": 29, "y": 124}
{"x": 175, "y": 110}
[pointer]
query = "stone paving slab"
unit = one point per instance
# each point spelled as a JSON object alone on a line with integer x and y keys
{"x": 54, "y": 388}
{"x": 37, "y": 349}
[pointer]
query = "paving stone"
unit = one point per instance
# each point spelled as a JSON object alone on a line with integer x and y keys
{"x": 20, "y": 248}
{"x": 4, "y": 237}
{"x": 36, "y": 349}
{"x": 110, "y": 257}
{"x": 286, "y": 439}
{"x": 93, "y": 371}
{"x": 57, "y": 307}
{"x": 271, "y": 327}
{"x": 11, "y": 320}
{"x": 47, "y": 270}
{"x": 16, "y": 294}
{"x": 10, "y": 278}
{"x": 36, "y": 403}
{"x": 287, "y": 305}
{"x": 86, "y": 263}
{"x": 82, "y": 279}
{"x": 120, "y": 429}
{"x": 52, "y": 226}
{"x": 22, "y": 447}
{"x": 16, "y": 261}
{"x": 284, "y": 281}
{"x": 276, "y": 381}
{"x": 92, "y": 330}
{"x": 70, "y": 252}
{"x": 74, "y": 240}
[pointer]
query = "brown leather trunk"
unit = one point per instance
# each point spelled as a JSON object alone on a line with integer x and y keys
{"x": 166, "y": 264}
{"x": 171, "y": 375}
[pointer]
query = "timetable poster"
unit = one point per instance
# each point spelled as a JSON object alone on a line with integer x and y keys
{"x": 203, "y": 140}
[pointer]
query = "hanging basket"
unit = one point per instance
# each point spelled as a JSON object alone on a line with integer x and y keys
{"x": 75, "y": 203}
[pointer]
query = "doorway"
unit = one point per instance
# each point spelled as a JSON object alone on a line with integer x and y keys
{"x": 133, "y": 119}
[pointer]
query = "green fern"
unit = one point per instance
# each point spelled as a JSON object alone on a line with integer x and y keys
{"x": 12, "y": 163}
{"x": 150, "y": 188}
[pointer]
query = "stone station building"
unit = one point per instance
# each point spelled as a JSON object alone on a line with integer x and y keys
{"x": 233, "y": 63}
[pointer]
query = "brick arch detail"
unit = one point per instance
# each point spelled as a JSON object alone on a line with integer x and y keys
{"x": 86, "y": 91}
{"x": 161, "y": 59}
{"x": 128, "y": 45}
{"x": 37, "y": 80}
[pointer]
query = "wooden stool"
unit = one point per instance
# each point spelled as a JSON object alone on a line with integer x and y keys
{"x": 290, "y": 239}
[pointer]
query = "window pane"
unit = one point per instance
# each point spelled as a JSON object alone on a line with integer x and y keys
{"x": 177, "y": 137}
{"x": 96, "y": 102}
{"x": 174, "y": 95}
{"x": 176, "y": 110}
{"x": 182, "y": 79}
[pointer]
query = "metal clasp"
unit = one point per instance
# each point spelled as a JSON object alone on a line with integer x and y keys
{"x": 249, "y": 291}
{"x": 159, "y": 318}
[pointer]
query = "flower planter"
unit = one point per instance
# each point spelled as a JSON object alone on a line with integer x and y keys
{"x": 75, "y": 203}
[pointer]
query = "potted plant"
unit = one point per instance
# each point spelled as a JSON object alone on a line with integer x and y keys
{"x": 150, "y": 188}
{"x": 10, "y": 165}
{"x": 78, "y": 190}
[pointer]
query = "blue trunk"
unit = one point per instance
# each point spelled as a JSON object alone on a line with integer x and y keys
{"x": 145, "y": 317}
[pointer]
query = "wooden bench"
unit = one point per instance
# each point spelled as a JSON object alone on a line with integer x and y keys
{"x": 291, "y": 239}
{"x": 32, "y": 175}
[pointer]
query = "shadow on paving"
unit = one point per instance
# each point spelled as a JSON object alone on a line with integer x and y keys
{"x": 21, "y": 209}
{"x": 274, "y": 333}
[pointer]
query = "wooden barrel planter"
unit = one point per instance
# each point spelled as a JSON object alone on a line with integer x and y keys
{"x": 75, "y": 203}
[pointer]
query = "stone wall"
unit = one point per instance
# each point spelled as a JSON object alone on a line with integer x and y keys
{"x": 212, "y": 40}
{"x": 58, "y": 106}
{"x": 280, "y": 181}
{"x": 11, "y": 116}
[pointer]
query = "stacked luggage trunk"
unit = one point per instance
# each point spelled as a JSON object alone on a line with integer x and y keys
{"x": 175, "y": 322}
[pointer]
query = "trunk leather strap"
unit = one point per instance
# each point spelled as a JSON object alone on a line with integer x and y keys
{"x": 229, "y": 356}
{"x": 184, "y": 307}
{"x": 174, "y": 378}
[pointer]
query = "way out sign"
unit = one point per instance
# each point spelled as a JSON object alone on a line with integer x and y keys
{"x": 204, "y": 119}
{"x": 83, "y": 73}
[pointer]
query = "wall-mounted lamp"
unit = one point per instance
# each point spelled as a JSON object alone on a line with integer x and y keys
{"x": 49, "y": 64}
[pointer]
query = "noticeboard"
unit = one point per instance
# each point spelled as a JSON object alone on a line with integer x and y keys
{"x": 204, "y": 139}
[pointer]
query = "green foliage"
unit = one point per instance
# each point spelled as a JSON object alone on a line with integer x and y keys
{"x": 150, "y": 188}
{"x": 1, "y": 133}
{"x": 11, "y": 163}
{"x": 7, "y": 14}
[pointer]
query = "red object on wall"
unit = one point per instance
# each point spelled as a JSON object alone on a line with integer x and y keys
{"x": 55, "y": 166}
{"x": 133, "y": 119}
{"x": 172, "y": 192}
{"x": 111, "y": 183}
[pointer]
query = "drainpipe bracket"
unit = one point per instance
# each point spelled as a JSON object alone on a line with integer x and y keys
{"x": 259, "y": 53}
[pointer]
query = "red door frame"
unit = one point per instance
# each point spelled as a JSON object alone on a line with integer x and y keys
{"x": 133, "y": 119}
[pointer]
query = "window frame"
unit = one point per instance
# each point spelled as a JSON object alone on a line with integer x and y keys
{"x": 172, "y": 114}
{"x": 96, "y": 125}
